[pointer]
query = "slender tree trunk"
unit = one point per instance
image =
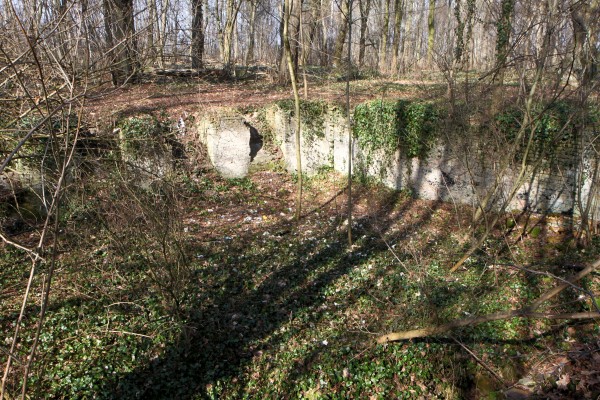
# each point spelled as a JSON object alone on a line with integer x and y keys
{"x": 584, "y": 17}
{"x": 288, "y": 55}
{"x": 341, "y": 38}
{"x": 384, "y": 36}
{"x": 251, "y": 36}
{"x": 303, "y": 51}
{"x": 324, "y": 56}
{"x": 162, "y": 32}
{"x": 398, "y": 15}
{"x": 120, "y": 37}
{"x": 233, "y": 8}
{"x": 430, "y": 32}
{"x": 316, "y": 33}
{"x": 406, "y": 43}
{"x": 503, "y": 28}
{"x": 197, "y": 45}
{"x": 349, "y": 123}
{"x": 283, "y": 75}
{"x": 365, "y": 8}
{"x": 151, "y": 31}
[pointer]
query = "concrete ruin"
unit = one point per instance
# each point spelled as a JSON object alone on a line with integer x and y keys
{"x": 231, "y": 142}
{"x": 441, "y": 175}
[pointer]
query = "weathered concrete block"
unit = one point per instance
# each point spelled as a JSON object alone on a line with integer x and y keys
{"x": 228, "y": 145}
{"x": 316, "y": 148}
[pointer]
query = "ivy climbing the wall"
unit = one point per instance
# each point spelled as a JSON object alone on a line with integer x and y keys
{"x": 391, "y": 125}
{"x": 313, "y": 116}
{"x": 555, "y": 132}
{"x": 139, "y": 134}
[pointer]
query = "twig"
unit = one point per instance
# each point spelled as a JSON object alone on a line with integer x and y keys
{"x": 130, "y": 333}
{"x": 479, "y": 361}
{"x": 13, "y": 356}
{"x": 558, "y": 278}
{"x": 31, "y": 253}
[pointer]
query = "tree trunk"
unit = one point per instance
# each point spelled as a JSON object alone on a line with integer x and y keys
{"x": 430, "y": 32}
{"x": 459, "y": 33}
{"x": 384, "y": 35}
{"x": 341, "y": 38}
{"x": 365, "y": 8}
{"x": 227, "y": 36}
{"x": 197, "y": 45}
{"x": 151, "y": 30}
{"x": 290, "y": 64}
{"x": 251, "y": 38}
{"x": 503, "y": 28}
{"x": 398, "y": 15}
{"x": 162, "y": 33}
{"x": 584, "y": 17}
{"x": 120, "y": 38}
{"x": 316, "y": 34}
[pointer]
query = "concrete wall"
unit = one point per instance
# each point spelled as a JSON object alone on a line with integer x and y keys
{"x": 227, "y": 140}
{"x": 445, "y": 174}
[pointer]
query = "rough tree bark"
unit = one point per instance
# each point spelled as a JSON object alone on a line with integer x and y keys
{"x": 398, "y": 15}
{"x": 197, "y": 45}
{"x": 384, "y": 36}
{"x": 503, "y": 28}
{"x": 365, "y": 9}
{"x": 341, "y": 38}
{"x": 251, "y": 36}
{"x": 290, "y": 64}
{"x": 120, "y": 39}
{"x": 430, "y": 31}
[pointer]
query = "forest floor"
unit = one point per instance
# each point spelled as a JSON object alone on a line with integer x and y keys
{"x": 207, "y": 288}
{"x": 177, "y": 96}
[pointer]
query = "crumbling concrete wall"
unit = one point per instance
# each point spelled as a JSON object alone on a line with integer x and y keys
{"x": 316, "y": 151}
{"x": 227, "y": 140}
{"x": 442, "y": 175}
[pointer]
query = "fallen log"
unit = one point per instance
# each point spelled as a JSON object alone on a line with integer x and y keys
{"x": 525, "y": 312}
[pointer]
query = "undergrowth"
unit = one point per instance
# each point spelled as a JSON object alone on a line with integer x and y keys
{"x": 201, "y": 288}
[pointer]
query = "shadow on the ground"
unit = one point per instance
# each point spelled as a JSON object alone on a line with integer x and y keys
{"x": 225, "y": 327}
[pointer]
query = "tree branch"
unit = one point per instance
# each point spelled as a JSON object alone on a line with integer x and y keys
{"x": 525, "y": 312}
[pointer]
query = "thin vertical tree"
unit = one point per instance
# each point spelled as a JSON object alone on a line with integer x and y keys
{"x": 430, "y": 31}
{"x": 121, "y": 40}
{"x": 338, "y": 49}
{"x": 398, "y": 14}
{"x": 384, "y": 36}
{"x": 503, "y": 28}
{"x": 287, "y": 6}
{"x": 197, "y": 44}
{"x": 365, "y": 9}
{"x": 349, "y": 121}
{"x": 251, "y": 35}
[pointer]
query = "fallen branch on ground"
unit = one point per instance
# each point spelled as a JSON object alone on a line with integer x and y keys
{"x": 525, "y": 312}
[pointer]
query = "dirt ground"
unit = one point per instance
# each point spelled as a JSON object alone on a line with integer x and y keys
{"x": 178, "y": 96}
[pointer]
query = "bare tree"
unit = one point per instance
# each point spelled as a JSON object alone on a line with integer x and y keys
{"x": 197, "y": 47}
{"x": 384, "y": 35}
{"x": 430, "y": 31}
{"x": 398, "y": 15}
{"x": 365, "y": 9}
{"x": 341, "y": 37}
{"x": 121, "y": 40}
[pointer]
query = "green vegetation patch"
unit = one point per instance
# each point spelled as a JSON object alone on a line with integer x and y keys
{"x": 139, "y": 134}
{"x": 312, "y": 114}
{"x": 555, "y": 128}
{"x": 391, "y": 125}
